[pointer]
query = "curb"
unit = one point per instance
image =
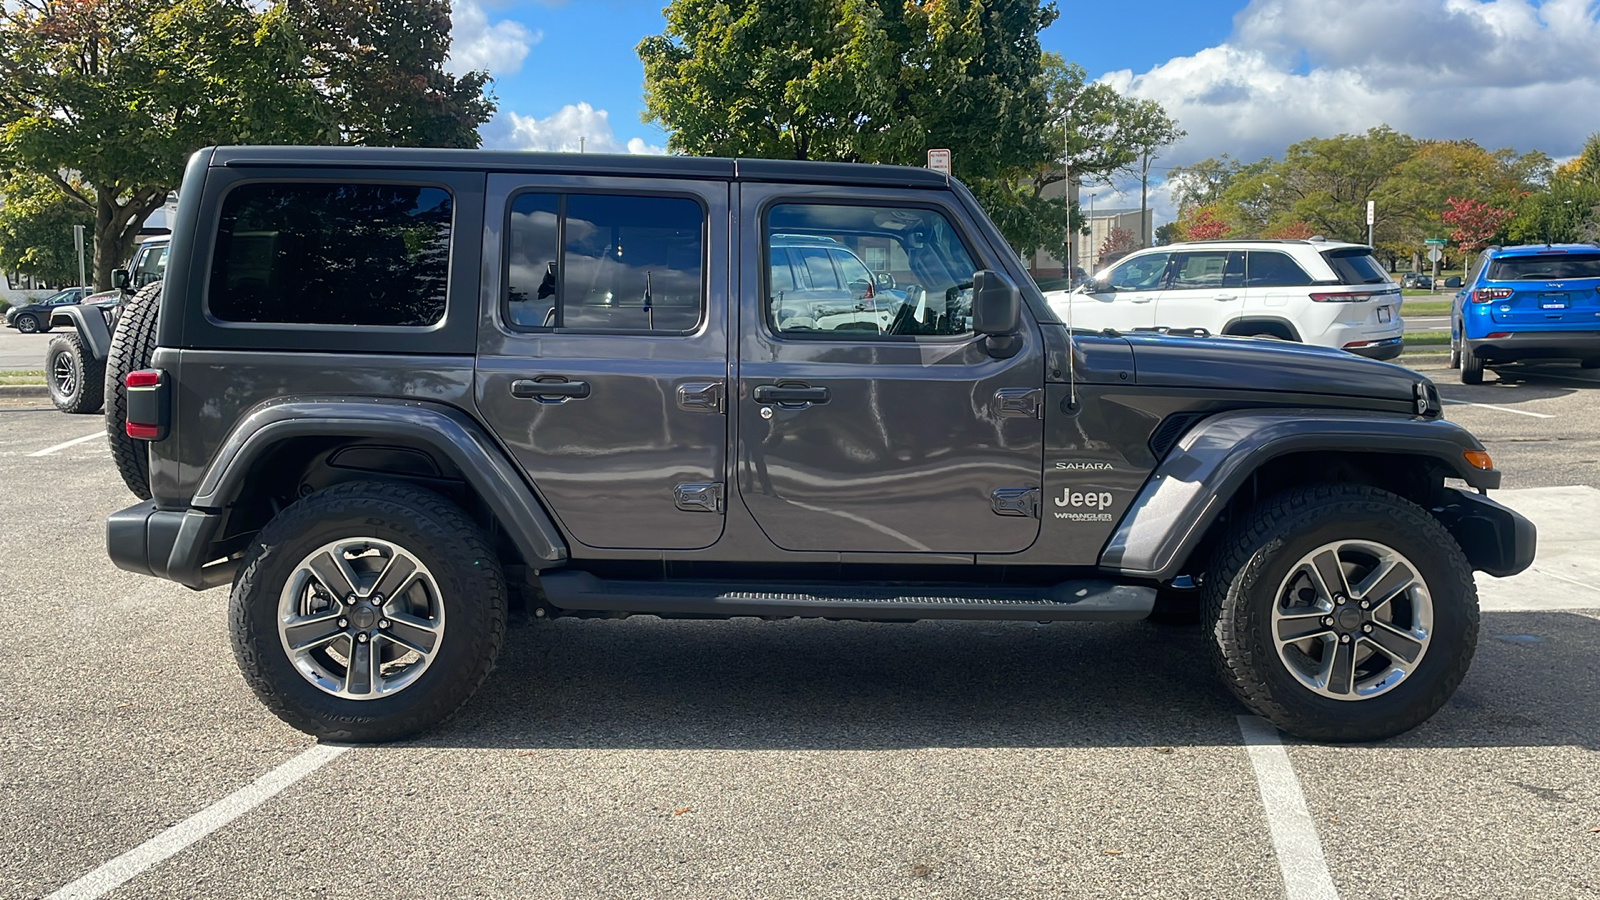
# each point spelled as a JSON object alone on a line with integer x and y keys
{"x": 13, "y": 391}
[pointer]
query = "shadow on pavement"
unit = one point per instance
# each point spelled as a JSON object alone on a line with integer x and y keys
{"x": 744, "y": 685}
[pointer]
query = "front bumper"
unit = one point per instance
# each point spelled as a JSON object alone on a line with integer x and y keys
{"x": 1496, "y": 539}
{"x": 170, "y": 544}
{"x": 1520, "y": 345}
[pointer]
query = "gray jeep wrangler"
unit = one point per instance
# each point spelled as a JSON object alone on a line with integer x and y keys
{"x": 389, "y": 389}
{"x": 83, "y": 363}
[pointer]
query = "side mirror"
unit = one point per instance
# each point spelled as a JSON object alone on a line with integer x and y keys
{"x": 997, "y": 313}
{"x": 119, "y": 279}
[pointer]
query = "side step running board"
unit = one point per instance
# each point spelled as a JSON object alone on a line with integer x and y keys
{"x": 1087, "y": 600}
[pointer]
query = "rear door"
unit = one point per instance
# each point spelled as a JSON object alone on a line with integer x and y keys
{"x": 603, "y": 357}
{"x": 1205, "y": 290}
{"x": 1547, "y": 291}
{"x": 899, "y": 439}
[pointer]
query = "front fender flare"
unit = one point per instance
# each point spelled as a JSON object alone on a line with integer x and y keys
{"x": 1188, "y": 490}
{"x": 448, "y": 431}
{"x": 90, "y": 325}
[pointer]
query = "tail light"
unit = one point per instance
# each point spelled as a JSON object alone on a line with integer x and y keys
{"x": 1484, "y": 295}
{"x": 147, "y": 417}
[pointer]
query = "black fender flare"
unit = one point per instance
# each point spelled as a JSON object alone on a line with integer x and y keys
{"x": 1187, "y": 491}
{"x": 448, "y": 431}
{"x": 90, "y": 324}
{"x": 1294, "y": 333}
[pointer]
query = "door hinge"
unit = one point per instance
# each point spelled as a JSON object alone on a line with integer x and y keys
{"x": 700, "y": 396}
{"x": 1018, "y": 402}
{"x": 698, "y": 497}
{"x": 1015, "y": 502}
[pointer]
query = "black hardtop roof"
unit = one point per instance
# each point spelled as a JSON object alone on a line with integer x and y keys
{"x": 697, "y": 167}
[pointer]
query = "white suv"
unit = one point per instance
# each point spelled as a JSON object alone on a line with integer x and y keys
{"x": 1316, "y": 292}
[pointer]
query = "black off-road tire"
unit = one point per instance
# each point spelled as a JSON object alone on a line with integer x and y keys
{"x": 1257, "y": 554}
{"x": 75, "y": 380}
{"x": 1471, "y": 365}
{"x": 472, "y": 591}
{"x": 133, "y": 341}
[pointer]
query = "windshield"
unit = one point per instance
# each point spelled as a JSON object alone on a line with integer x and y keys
{"x": 1545, "y": 267}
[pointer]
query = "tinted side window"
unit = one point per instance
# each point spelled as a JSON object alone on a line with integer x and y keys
{"x": 1142, "y": 273}
{"x": 332, "y": 254}
{"x": 920, "y": 283}
{"x": 601, "y": 262}
{"x": 1268, "y": 269}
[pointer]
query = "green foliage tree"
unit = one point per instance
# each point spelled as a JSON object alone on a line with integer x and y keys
{"x": 878, "y": 81}
{"x": 1148, "y": 130}
{"x": 36, "y": 222}
{"x": 118, "y": 93}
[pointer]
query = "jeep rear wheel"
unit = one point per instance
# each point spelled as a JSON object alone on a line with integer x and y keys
{"x": 1471, "y": 365}
{"x": 368, "y": 612}
{"x": 1342, "y": 613}
{"x": 75, "y": 379}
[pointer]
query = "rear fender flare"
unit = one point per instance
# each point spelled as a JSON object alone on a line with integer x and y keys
{"x": 1188, "y": 490}
{"x": 90, "y": 325}
{"x": 445, "y": 430}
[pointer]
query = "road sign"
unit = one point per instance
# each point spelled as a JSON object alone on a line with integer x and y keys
{"x": 1435, "y": 254}
{"x": 1435, "y": 242}
{"x": 939, "y": 161}
{"x": 1372, "y": 209}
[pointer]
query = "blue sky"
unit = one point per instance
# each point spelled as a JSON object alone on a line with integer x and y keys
{"x": 1244, "y": 78}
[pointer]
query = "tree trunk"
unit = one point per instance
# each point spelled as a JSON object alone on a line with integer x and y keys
{"x": 117, "y": 226}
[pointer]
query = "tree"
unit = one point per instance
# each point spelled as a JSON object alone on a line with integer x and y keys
{"x": 1204, "y": 223}
{"x": 1328, "y": 181}
{"x": 166, "y": 77}
{"x": 878, "y": 81}
{"x": 1290, "y": 231}
{"x": 36, "y": 222}
{"x": 1475, "y": 222}
{"x": 1149, "y": 130}
{"x": 379, "y": 65}
{"x": 1119, "y": 242}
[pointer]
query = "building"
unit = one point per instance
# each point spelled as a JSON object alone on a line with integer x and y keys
{"x": 1086, "y": 247}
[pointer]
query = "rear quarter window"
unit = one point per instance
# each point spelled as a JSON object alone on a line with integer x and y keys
{"x": 332, "y": 254}
{"x": 1356, "y": 266}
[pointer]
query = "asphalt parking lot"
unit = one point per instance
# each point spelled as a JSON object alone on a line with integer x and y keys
{"x": 793, "y": 759}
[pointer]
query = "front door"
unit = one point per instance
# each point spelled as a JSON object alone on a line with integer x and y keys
{"x": 603, "y": 353}
{"x": 871, "y": 418}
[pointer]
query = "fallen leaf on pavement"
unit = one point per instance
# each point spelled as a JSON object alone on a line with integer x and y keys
{"x": 679, "y": 812}
{"x": 1113, "y": 852}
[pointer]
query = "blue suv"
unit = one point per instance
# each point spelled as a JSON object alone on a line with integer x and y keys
{"x": 1529, "y": 302}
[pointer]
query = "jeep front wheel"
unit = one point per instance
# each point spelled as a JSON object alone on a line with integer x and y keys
{"x": 75, "y": 378}
{"x": 368, "y": 612}
{"x": 1342, "y": 613}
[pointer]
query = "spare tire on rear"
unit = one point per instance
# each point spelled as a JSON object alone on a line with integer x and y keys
{"x": 132, "y": 344}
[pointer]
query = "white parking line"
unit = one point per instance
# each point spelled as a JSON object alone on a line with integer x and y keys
{"x": 75, "y": 441}
{"x": 169, "y": 843}
{"x": 1520, "y": 412}
{"x": 1294, "y": 835}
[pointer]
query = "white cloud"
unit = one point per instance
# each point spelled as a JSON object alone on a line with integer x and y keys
{"x": 1505, "y": 73}
{"x": 476, "y": 45}
{"x": 561, "y": 132}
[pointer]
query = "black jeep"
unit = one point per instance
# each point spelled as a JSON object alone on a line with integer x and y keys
{"x": 388, "y": 389}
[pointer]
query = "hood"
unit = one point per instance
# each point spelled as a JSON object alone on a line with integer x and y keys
{"x": 1253, "y": 364}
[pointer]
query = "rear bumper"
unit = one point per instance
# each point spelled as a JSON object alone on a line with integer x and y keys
{"x": 168, "y": 544}
{"x": 1517, "y": 345}
{"x": 1496, "y": 539}
{"x": 1385, "y": 349}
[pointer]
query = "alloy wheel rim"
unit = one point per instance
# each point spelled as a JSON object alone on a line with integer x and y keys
{"x": 361, "y": 618}
{"x": 1352, "y": 620}
{"x": 65, "y": 376}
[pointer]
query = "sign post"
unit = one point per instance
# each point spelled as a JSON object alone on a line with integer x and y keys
{"x": 1434, "y": 255}
{"x": 77, "y": 242}
{"x": 939, "y": 161}
{"x": 1372, "y": 216}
